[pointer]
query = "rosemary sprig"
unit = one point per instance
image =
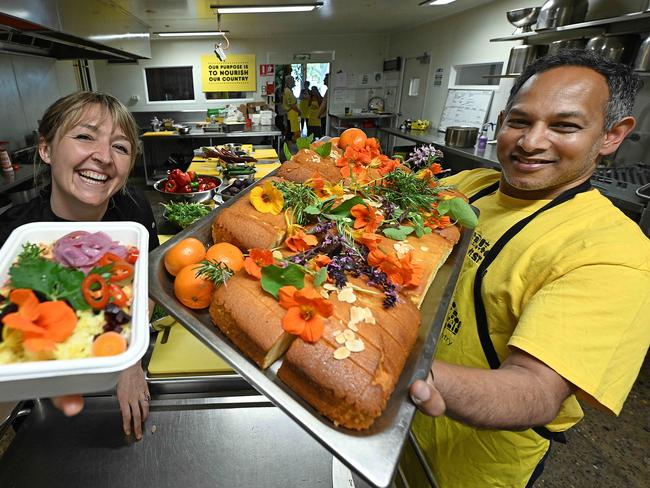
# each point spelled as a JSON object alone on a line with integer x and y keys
{"x": 408, "y": 192}
{"x": 298, "y": 197}
{"x": 214, "y": 271}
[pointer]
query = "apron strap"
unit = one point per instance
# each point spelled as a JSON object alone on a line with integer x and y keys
{"x": 484, "y": 192}
{"x": 490, "y": 256}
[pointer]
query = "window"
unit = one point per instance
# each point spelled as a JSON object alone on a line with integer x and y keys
{"x": 228, "y": 95}
{"x": 477, "y": 74}
{"x": 166, "y": 84}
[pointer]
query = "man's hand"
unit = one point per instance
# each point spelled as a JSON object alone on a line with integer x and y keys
{"x": 133, "y": 396}
{"x": 427, "y": 398}
{"x": 70, "y": 405}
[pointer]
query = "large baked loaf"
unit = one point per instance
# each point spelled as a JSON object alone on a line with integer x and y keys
{"x": 241, "y": 225}
{"x": 305, "y": 163}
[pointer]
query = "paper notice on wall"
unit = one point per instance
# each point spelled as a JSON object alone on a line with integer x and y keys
{"x": 437, "y": 76}
{"x": 364, "y": 80}
{"x": 350, "y": 96}
{"x": 340, "y": 80}
{"x": 339, "y": 97}
{"x": 353, "y": 79}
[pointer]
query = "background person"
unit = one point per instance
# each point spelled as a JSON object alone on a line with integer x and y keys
{"x": 322, "y": 113}
{"x": 289, "y": 103}
{"x": 536, "y": 326}
{"x": 313, "y": 110}
{"x": 89, "y": 141}
{"x": 303, "y": 104}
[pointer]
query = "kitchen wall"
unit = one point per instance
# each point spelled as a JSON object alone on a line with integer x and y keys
{"x": 28, "y": 85}
{"x": 348, "y": 53}
{"x": 464, "y": 39}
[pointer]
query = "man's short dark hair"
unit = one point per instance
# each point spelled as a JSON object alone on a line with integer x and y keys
{"x": 622, "y": 81}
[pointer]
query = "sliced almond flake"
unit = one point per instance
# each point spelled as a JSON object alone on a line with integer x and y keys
{"x": 340, "y": 339}
{"x": 277, "y": 254}
{"x": 424, "y": 248}
{"x": 372, "y": 203}
{"x": 355, "y": 345}
{"x": 329, "y": 286}
{"x": 347, "y": 295}
{"x": 349, "y": 335}
{"x": 341, "y": 353}
{"x": 324, "y": 294}
{"x": 402, "y": 248}
{"x": 353, "y": 327}
{"x": 361, "y": 314}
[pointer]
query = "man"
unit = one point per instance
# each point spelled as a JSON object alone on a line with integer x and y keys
{"x": 290, "y": 105}
{"x": 560, "y": 312}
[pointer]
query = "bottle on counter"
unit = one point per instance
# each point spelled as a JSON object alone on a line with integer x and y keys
{"x": 5, "y": 161}
{"x": 482, "y": 140}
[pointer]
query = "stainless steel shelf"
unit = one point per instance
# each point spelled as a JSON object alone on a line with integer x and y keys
{"x": 628, "y": 23}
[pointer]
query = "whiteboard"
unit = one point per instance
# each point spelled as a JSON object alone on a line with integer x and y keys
{"x": 465, "y": 107}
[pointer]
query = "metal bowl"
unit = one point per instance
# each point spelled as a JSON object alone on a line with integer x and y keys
{"x": 193, "y": 197}
{"x": 523, "y": 17}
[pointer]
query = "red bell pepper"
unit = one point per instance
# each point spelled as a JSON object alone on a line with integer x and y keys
{"x": 171, "y": 186}
{"x": 180, "y": 177}
{"x": 193, "y": 176}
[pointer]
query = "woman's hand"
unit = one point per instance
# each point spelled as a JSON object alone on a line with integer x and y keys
{"x": 133, "y": 396}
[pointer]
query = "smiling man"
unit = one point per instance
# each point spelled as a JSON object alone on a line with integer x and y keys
{"x": 535, "y": 325}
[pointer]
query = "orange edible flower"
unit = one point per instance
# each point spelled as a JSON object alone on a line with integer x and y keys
{"x": 441, "y": 222}
{"x": 267, "y": 199}
{"x": 43, "y": 324}
{"x": 323, "y": 189}
{"x": 370, "y": 240}
{"x": 256, "y": 260}
{"x": 300, "y": 241}
{"x": 305, "y": 309}
{"x": 366, "y": 218}
{"x": 320, "y": 261}
{"x": 400, "y": 270}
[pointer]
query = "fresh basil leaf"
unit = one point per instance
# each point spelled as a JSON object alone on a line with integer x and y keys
{"x": 462, "y": 212}
{"x": 275, "y": 277}
{"x": 287, "y": 152}
{"x": 304, "y": 142}
{"x": 68, "y": 287}
{"x": 320, "y": 276}
{"x": 407, "y": 229}
{"x": 324, "y": 150}
{"x": 345, "y": 207}
{"x": 419, "y": 231}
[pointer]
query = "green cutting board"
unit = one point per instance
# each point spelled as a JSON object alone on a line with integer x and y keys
{"x": 179, "y": 352}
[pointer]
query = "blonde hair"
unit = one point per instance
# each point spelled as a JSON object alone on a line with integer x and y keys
{"x": 67, "y": 112}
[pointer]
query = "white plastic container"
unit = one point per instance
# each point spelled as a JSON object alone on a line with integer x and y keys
{"x": 20, "y": 381}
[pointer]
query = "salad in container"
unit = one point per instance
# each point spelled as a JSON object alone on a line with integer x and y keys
{"x": 73, "y": 307}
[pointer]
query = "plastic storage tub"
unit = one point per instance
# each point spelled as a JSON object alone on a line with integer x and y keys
{"x": 20, "y": 381}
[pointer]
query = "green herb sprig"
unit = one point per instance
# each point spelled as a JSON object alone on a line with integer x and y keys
{"x": 184, "y": 214}
{"x": 297, "y": 197}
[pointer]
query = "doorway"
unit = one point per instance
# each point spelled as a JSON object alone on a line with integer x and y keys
{"x": 414, "y": 87}
{"x": 313, "y": 74}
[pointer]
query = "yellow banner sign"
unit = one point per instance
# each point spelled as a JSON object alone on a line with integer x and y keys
{"x": 237, "y": 73}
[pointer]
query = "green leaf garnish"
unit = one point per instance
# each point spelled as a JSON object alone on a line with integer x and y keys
{"x": 275, "y": 277}
{"x": 304, "y": 142}
{"x": 287, "y": 152}
{"x": 462, "y": 212}
{"x": 398, "y": 234}
{"x": 320, "y": 276}
{"x": 312, "y": 210}
{"x": 346, "y": 206}
{"x": 324, "y": 150}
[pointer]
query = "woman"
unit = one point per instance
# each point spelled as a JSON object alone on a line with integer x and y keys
{"x": 314, "y": 122}
{"x": 89, "y": 142}
{"x": 289, "y": 103}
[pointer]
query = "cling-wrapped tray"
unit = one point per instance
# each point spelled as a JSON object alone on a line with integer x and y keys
{"x": 373, "y": 453}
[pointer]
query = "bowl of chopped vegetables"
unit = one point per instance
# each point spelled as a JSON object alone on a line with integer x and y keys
{"x": 187, "y": 186}
{"x": 184, "y": 214}
{"x": 73, "y": 307}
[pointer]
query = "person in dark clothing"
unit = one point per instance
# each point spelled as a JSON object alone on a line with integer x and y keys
{"x": 89, "y": 143}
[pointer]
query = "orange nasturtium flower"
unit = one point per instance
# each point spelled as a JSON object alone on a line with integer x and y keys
{"x": 324, "y": 189}
{"x": 256, "y": 260}
{"x": 267, "y": 199}
{"x": 305, "y": 309}
{"x": 43, "y": 324}
{"x": 441, "y": 222}
{"x": 320, "y": 261}
{"x": 370, "y": 240}
{"x": 366, "y": 218}
{"x": 400, "y": 270}
{"x": 299, "y": 240}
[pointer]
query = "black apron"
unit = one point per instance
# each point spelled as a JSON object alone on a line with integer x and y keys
{"x": 490, "y": 256}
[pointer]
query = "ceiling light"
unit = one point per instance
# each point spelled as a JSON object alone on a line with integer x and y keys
{"x": 437, "y": 2}
{"x": 265, "y": 9}
{"x": 190, "y": 34}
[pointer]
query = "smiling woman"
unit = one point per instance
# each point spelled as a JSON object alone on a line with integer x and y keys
{"x": 89, "y": 142}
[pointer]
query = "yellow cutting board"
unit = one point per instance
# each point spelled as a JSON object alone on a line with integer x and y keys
{"x": 182, "y": 353}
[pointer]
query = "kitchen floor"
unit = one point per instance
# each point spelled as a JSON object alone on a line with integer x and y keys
{"x": 602, "y": 451}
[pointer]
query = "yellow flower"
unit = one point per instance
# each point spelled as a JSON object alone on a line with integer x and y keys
{"x": 331, "y": 189}
{"x": 267, "y": 199}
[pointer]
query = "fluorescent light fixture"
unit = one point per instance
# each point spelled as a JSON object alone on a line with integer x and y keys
{"x": 191, "y": 34}
{"x": 266, "y": 9}
{"x": 113, "y": 37}
{"x": 441, "y": 2}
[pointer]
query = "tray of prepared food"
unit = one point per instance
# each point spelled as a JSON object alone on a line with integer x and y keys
{"x": 73, "y": 307}
{"x": 327, "y": 295}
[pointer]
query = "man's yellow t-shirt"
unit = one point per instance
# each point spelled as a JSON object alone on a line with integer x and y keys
{"x": 289, "y": 99}
{"x": 573, "y": 290}
{"x": 314, "y": 112}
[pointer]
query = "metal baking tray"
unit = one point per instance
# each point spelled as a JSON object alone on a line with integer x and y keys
{"x": 374, "y": 453}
